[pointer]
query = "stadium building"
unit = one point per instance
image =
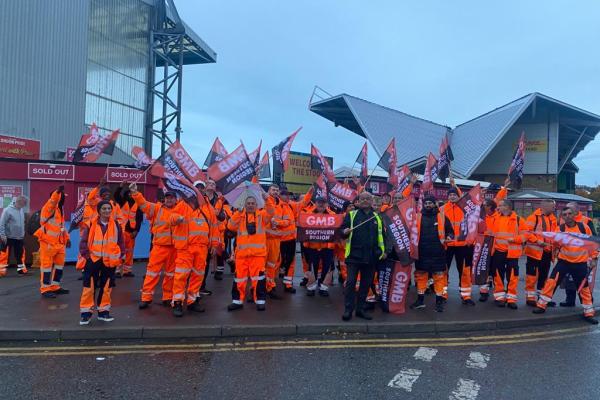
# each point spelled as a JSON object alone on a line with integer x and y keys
{"x": 483, "y": 147}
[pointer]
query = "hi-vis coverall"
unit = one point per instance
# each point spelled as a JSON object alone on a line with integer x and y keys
{"x": 572, "y": 260}
{"x": 102, "y": 246}
{"x": 510, "y": 234}
{"x": 538, "y": 258}
{"x": 279, "y": 221}
{"x": 250, "y": 252}
{"x": 459, "y": 250}
{"x": 53, "y": 240}
{"x": 192, "y": 240}
{"x": 163, "y": 252}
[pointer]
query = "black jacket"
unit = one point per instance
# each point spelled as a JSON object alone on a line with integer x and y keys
{"x": 432, "y": 255}
{"x": 364, "y": 248}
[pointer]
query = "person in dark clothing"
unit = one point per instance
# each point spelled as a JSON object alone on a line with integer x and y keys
{"x": 434, "y": 228}
{"x": 133, "y": 217}
{"x": 365, "y": 247}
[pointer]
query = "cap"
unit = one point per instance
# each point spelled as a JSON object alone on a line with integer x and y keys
{"x": 430, "y": 198}
{"x": 453, "y": 190}
{"x": 170, "y": 193}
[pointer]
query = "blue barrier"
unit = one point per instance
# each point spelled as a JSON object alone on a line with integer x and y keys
{"x": 141, "y": 250}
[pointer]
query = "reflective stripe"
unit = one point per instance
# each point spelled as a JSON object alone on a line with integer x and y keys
{"x": 55, "y": 283}
{"x": 260, "y": 302}
{"x": 312, "y": 286}
{"x": 236, "y": 302}
{"x": 105, "y": 308}
{"x": 545, "y": 298}
{"x": 198, "y": 271}
{"x": 511, "y": 296}
{"x": 182, "y": 270}
{"x": 169, "y": 274}
{"x": 152, "y": 273}
{"x": 162, "y": 234}
{"x": 271, "y": 264}
{"x": 85, "y": 309}
{"x": 46, "y": 269}
{"x": 250, "y": 246}
{"x": 198, "y": 233}
{"x": 179, "y": 237}
{"x": 238, "y": 280}
{"x": 178, "y": 296}
{"x": 257, "y": 278}
{"x": 287, "y": 279}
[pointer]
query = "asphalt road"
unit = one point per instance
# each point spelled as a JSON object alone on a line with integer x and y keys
{"x": 558, "y": 362}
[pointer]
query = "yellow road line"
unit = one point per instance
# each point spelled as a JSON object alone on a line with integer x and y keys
{"x": 292, "y": 342}
{"x": 105, "y": 350}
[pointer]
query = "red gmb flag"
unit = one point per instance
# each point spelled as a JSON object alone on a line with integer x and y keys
{"x": 362, "y": 161}
{"x": 430, "y": 173}
{"x": 142, "y": 160}
{"x": 281, "y": 152}
{"x": 93, "y": 144}
{"x": 314, "y": 227}
{"x": 389, "y": 162}
{"x": 232, "y": 170}
{"x": 264, "y": 167}
{"x": 470, "y": 204}
{"x": 177, "y": 161}
{"x": 216, "y": 153}
{"x": 515, "y": 172}
{"x": 320, "y": 163}
{"x": 446, "y": 156}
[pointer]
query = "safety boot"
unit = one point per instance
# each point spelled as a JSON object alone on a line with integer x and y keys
{"x": 289, "y": 289}
{"x": 144, "y": 304}
{"x": 234, "y": 306}
{"x": 178, "y": 309}
{"x": 591, "y": 320}
{"x": 483, "y": 297}
{"x": 419, "y": 303}
{"x": 512, "y": 306}
{"x": 439, "y": 304}
{"x": 196, "y": 306}
{"x": 538, "y": 310}
{"x": 468, "y": 302}
{"x": 261, "y": 307}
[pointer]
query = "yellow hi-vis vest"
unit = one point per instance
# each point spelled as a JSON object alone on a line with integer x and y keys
{"x": 380, "y": 242}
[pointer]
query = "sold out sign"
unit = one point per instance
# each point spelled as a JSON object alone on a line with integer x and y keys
{"x": 52, "y": 172}
{"x": 116, "y": 174}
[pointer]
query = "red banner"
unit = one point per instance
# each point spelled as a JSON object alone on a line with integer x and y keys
{"x": 51, "y": 172}
{"x": 117, "y": 174}
{"x": 142, "y": 160}
{"x": 178, "y": 162}
{"x": 430, "y": 173}
{"x": 401, "y": 226}
{"x": 93, "y": 144}
{"x": 232, "y": 170}
{"x": 399, "y": 288}
{"x": 319, "y": 227}
{"x": 14, "y": 147}
{"x": 338, "y": 194}
{"x": 470, "y": 204}
{"x": 482, "y": 258}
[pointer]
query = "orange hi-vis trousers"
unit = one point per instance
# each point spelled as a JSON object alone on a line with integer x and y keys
{"x": 578, "y": 272}
{"x": 189, "y": 272}
{"x": 536, "y": 275}
{"x": 422, "y": 279}
{"x": 52, "y": 262}
{"x": 129, "y": 242}
{"x": 4, "y": 261}
{"x": 272, "y": 262}
{"x": 100, "y": 278}
{"x": 161, "y": 258}
{"x": 464, "y": 260}
{"x": 340, "y": 254}
{"x": 505, "y": 270}
{"x": 252, "y": 268}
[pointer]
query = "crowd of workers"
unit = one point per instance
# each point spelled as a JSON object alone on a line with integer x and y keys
{"x": 260, "y": 245}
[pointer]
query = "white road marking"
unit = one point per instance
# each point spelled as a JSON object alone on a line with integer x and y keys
{"x": 465, "y": 390}
{"x": 478, "y": 360}
{"x": 425, "y": 354}
{"x": 405, "y": 379}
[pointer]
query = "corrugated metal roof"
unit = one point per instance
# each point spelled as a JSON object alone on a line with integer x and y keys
{"x": 536, "y": 195}
{"x": 474, "y": 139}
{"x": 414, "y": 136}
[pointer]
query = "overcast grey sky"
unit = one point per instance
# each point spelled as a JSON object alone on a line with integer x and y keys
{"x": 447, "y": 61}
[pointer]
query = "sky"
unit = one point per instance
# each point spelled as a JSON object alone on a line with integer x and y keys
{"x": 446, "y": 61}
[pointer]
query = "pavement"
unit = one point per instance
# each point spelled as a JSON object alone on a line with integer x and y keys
{"x": 24, "y": 315}
{"x": 538, "y": 364}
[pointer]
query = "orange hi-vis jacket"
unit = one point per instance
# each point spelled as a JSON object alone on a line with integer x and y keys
{"x": 129, "y": 214}
{"x": 52, "y": 223}
{"x": 490, "y": 218}
{"x": 574, "y": 254}
{"x": 321, "y": 245}
{"x": 92, "y": 202}
{"x": 538, "y": 222}
{"x": 291, "y": 209}
{"x": 279, "y": 217}
{"x": 161, "y": 219}
{"x": 255, "y": 245}
{"x": 104, "y": 246}
{"x": 216, "y": 209}
{"x": 510, "y": 232}
{"x": 198, "y": 229}
{"x": 455, "y": 215}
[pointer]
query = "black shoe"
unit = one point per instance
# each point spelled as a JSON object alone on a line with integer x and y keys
{"x": 289, "y": 289}
{"x": 500, "y": 303}
{"x": 538, "y": 310}
{"x": 468, "y": 302}
{"x": 166, "y": 303}
{"x": 274, "y": 296}
{"x": 591, "y": 320}
{"x": 439, "y": 305}
{"x": 304, "y": 281}
{"x": 260, "y": 307}
{"x": 347, "y": 316}
{"x": 234, "y": 306}
{"x": 566, "y": 304}
{"x": 196, "y": 307}
{"x": 310, "y": 293}
{"x": 551, "y": 304}
{"x": 419, "y": 303}
{"x": 531, "y": 303}
{"x": 364, "y": 315}
{"x": 22, "y": 271}
{"x": 369, "y": 306}
{"x": 445, "y": 300}
{"x": 483, "y": 297}
{"x": 128, "y": 274}
{"x": 85, "y": 320}
{"x": 105, "y": 317}
{"x": 218, "y": 276}
{"x": 144, "y": 304}
{"x": 49, "y": 295}
{"x": 512, "y": 306}
{"x": 323, "y": 293}
{"x": 205, "y": 292}
{"x": 61, "y": 291}
{"x": 250, "y": 300}
{"x": 178, "y": 309}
